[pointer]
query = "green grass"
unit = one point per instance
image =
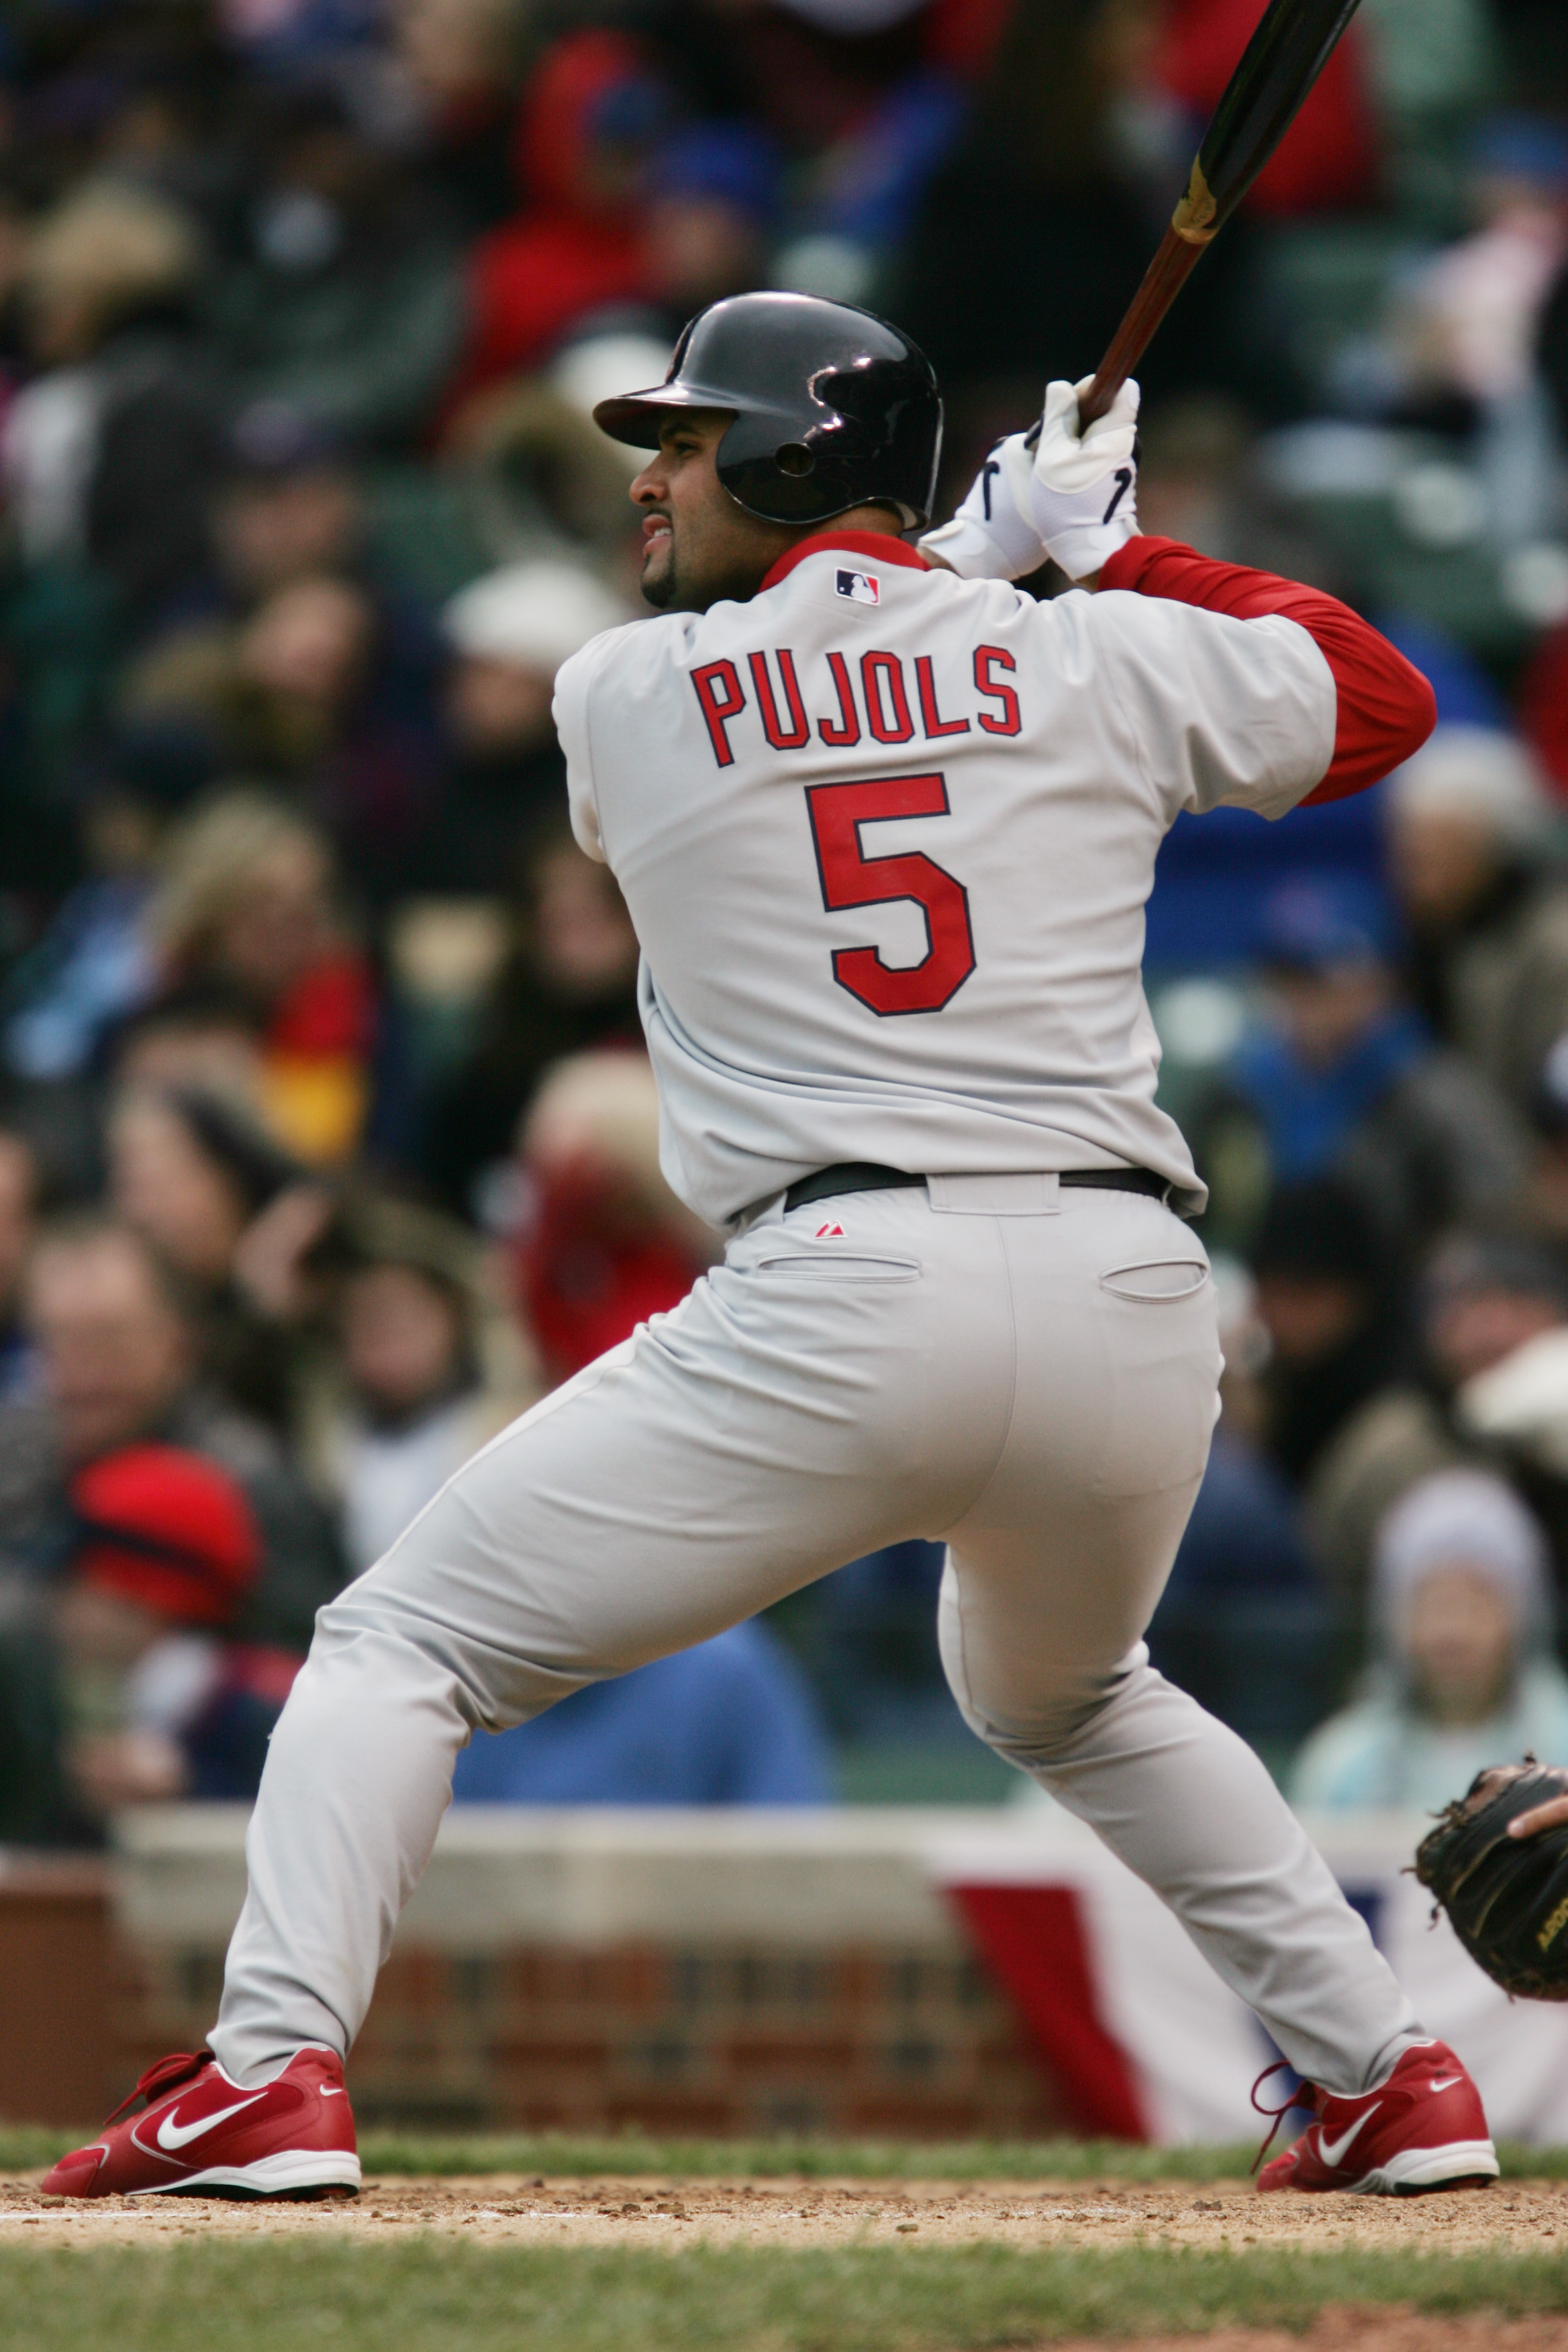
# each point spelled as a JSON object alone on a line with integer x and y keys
{"x": 25, "y": 2148}
{"x": 811, "y": 2159}
{"x": 288, "y": 2296}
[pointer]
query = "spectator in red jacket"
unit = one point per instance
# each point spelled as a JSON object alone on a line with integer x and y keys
{"x": 157, "y": 1701}
{"x": 586, "y": 126}
{"x": 606, "y": 1243}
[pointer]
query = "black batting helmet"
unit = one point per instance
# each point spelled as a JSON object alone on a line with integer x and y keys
{"x": 834, "y": 407}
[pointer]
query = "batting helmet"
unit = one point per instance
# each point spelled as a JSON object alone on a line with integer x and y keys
{"x": 833, "y": 407}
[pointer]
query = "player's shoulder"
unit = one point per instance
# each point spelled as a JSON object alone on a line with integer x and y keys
{"x": 1177, "y": 640}
{"x": 1125, "y": 612}
{"x": 1122, "y": 611}
{"x": 630, "y": 642}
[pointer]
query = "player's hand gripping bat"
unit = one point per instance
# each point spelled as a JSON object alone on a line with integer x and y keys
{"x": 1282, "y": 61}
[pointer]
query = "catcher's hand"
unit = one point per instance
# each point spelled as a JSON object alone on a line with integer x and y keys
{"x": 1498, "y": 1863}
{"x": 1552, "y": 1815}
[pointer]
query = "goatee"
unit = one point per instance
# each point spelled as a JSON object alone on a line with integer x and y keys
{"x": 659, "y": 592}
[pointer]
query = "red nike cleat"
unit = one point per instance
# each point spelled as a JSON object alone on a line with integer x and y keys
{"x": 1422, "y": 2129}
{"x": 201, "y": 2133}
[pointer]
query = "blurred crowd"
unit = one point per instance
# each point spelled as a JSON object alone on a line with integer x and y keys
{"x": 327, "y": 1140}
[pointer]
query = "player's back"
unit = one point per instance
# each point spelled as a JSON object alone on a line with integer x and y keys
{"x": 887, "y": 839}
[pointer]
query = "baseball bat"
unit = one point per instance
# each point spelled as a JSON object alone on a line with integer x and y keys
{"x": 1293, "y": 43}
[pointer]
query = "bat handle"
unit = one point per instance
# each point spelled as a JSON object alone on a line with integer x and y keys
{"x": 1162, "y": 281}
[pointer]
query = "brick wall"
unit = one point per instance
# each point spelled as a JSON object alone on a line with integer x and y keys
{"x": 721, "y": 2041}
{"x": 58, "y": 2062}
{"x": 689, "y": 1973}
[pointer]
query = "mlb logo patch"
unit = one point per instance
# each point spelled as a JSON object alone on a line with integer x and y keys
{"x": 860, "y": 587}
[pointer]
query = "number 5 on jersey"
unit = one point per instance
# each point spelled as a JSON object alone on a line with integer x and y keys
{"x": 850, "y": 878}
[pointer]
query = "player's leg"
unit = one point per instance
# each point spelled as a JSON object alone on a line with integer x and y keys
{"x": 1052, "y": 1578}
{"x": 800, "y": 1408}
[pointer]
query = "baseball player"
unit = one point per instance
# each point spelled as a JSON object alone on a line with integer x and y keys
{"x": 886, "y": 827}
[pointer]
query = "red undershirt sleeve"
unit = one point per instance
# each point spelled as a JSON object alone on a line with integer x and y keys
{"x": 1385, "y": 707}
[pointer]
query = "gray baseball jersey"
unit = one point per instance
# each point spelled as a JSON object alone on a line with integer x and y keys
{"x": 887, "y": 836}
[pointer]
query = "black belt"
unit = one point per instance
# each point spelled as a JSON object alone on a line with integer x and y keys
{"x": 864, "y": 1176}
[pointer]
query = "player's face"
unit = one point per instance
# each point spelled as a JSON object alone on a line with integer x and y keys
{"x": 698, "y": 545}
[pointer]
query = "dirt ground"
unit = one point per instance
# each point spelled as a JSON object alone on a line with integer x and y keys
{"x": 606, "y": 2211}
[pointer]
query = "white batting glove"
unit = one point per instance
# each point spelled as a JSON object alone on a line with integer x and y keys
{"x": 991, "y": 536}
{"x": 1083, "y": 491}
{"x": 1049, "y": 492}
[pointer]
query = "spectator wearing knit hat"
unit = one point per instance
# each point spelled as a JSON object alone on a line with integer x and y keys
{"x": 129, "y": 1688}
{"x": 1485, "y": 906}
{"x": 507, "y": 634}
{"x": 117, "y": 1367}
{"x": 168, "y": 1548}
{"x": 1482, "y": 1299}
{"x": 1463, "y": 1674}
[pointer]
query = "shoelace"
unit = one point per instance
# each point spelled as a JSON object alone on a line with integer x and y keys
{"x": 1302, "y": 2095}
{"x": 177, "y": 2068}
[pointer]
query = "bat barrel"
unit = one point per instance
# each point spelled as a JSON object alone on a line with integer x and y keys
{"x": 1293, "y": 43}
{"x": 1278, "y": 67}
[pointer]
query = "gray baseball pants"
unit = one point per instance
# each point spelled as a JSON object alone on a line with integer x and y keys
{"x": 1028, "y": 1372}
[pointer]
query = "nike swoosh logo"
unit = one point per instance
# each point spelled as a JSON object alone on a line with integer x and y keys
{"x": 329, "y": 2093}
{"x": 171, "y": 2134}
{"x": 1331, "y": 2151}
{"x": 1444, "y": 2082}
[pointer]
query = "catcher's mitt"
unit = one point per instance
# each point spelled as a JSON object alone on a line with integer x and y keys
{"x": 1506, "y": 1897}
